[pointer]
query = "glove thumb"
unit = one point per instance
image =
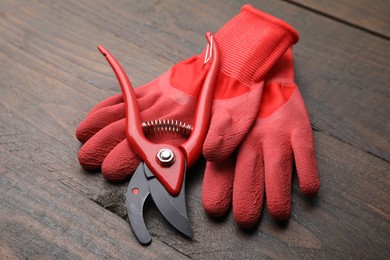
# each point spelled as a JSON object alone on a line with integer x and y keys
{"x": 230, "y": 123}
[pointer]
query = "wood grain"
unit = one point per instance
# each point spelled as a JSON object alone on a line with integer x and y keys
{"x": 42, "y": 216}
{"x": 52, "y": 74}
{"x": 372, "y": 16}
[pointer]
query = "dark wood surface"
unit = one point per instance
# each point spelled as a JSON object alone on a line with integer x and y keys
{"x": 371, "y": 16}
{"x": 52, "y": 74}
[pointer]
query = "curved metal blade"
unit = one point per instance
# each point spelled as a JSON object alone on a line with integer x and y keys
{"x": 137, "y": 192}
{"x": 174, "y": 209}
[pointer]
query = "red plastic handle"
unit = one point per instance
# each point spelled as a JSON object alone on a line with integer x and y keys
{"x": 170, "y": 177}
{"x": 192, "y": 148}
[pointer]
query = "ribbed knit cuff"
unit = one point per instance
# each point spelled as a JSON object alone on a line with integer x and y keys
{"x": 250, "y": 44}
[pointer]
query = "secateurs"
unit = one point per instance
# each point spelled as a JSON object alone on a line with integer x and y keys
{"x": 162, "y": 171}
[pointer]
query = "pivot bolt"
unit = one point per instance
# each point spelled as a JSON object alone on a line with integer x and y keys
{"x": 166, "y": 157}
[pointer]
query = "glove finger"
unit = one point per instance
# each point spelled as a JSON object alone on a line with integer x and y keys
{"x": 230, "y": 124}
{"x": 160, "y": 91}
{"x": 140, "y": 92}
{"x": 169, "y": 109}
{"x": 96, "y": 121}
{"x": 217, "y": 186}
{"x": 120, "y": 163}
{"x": 95, "y": 150}
{"x": 278, "y": 172}
{"x": 305, "y": 161}
{"x": 248, "y": 189}
{"x": 148, "y": 100}
{"x": 112, "y": 109}
{"x": 110, "y": 101}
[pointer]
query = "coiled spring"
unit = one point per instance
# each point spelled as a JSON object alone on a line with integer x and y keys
{"x": 167, "y": 126}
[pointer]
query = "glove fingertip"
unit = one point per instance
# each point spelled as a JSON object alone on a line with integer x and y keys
{"x": 248, "y": 191}
{"x": 120, "y": 163}
{"x": 215, "y": 200}
{"x": 311, "y": 189}
{"x": 113, "y": 100}
{"x": 119, "y": 171}
{"x": 279, "y": 211}
{"x": 91, "y": 125}
{"x": 86, "y": 162}
{"x": 217, "y": 187}
{"x": 99, "y": 120}
{"x": 308, "y": 176}
{"x": 305, "y": 161}
{"x": 116, "y": 176}
{"x": 245, "y": 221}
{"x": 247, "y": 209}
{"x": 215, "y": 209}
{"x": 82, "y": 133}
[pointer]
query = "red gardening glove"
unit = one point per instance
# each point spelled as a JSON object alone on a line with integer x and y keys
{"x": 250, "y": 34}
{"x": 264, "y": 160}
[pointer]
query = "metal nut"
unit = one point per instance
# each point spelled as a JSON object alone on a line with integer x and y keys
{"x": 166, "y": 157}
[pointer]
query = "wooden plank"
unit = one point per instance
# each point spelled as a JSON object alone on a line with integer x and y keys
{"x": 42, "y": 217}
{"x": 333, "y": 60}
{"x": 52, "y": 75}
{"x": 372, "y": 16}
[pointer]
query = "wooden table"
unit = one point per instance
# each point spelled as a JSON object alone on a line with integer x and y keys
{"x": 51, "y": 75}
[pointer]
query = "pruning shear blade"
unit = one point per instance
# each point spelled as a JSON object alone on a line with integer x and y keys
{"x": 163, "y": 170}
